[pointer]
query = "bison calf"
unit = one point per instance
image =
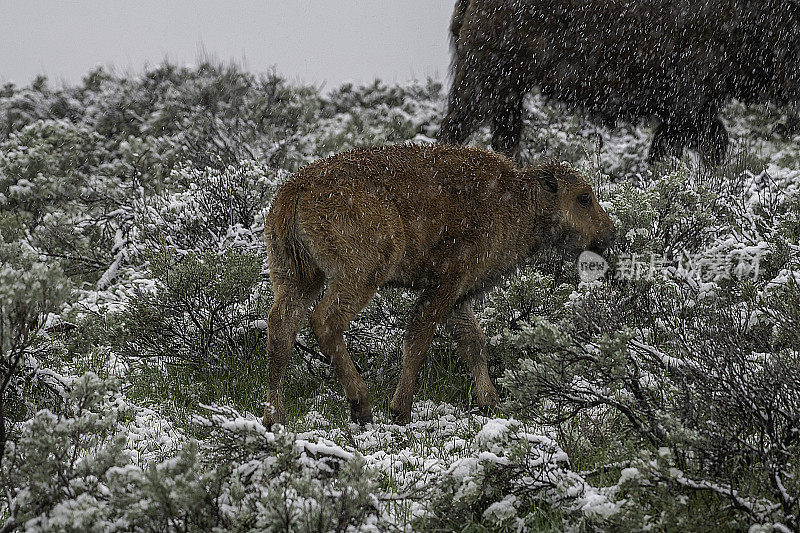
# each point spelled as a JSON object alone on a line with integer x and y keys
{"x": 445, "y": 221}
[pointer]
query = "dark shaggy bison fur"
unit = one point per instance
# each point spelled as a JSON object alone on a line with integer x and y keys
{"x": 677, "y": 60}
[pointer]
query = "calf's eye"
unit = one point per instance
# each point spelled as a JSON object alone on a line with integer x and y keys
{"x": 585, "y": 199}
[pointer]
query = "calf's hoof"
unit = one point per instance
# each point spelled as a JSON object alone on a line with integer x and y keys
{"x": 273, "y": 411}
{"x": 269, "y": 418}
{"x": 488, "y": 399}
{"x": 400, "y": 417}
{"x": 361, "y": 412}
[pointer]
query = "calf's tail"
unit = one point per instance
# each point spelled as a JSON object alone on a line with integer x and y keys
{"x": 288, "y": 254}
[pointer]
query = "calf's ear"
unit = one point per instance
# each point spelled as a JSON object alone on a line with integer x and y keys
{"x": 547, "y": 179}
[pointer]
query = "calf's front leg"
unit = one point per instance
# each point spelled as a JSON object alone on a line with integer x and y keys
{"x": 430, "y": 309}
{"x": 471, "y": 345}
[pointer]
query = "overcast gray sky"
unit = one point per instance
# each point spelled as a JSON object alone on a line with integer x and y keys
{"x": 318, "y": 41}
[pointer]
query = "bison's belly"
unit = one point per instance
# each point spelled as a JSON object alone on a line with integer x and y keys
{"x": 467, "y": 264}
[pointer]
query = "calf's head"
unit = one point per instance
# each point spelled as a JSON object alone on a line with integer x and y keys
{"x": 577, "y": 221}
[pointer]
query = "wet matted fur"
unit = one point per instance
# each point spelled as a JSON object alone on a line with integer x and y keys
{"x": 447, "y": 222}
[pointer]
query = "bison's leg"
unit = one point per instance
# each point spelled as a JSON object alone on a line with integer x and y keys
{"x": 467, "y": 104}
{"x": 471, "y": 346}
{"x": 342, "y": 301}
{"x": 430, "y": 309}
{"x": 458, "y": 124}
{"x": 708, "y": 137}
{"x": 711, "y": 142}
{"x": 507, "y": 126}
{"x": 291, "y": 303}
{"x": 668, "y": 140}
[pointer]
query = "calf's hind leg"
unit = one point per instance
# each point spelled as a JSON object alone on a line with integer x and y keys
{"x": 291, "y": 304}
{"x": 343, "y": 300}
{"x": 355, "y": 238}
{"x": 471, "y": 345}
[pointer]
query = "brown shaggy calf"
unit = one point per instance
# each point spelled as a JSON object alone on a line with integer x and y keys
{"x": 447, "y": 222}
{"x": 676, "y": 60}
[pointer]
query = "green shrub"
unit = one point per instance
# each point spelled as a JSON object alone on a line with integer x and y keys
{"x": 74, "y": 471}
{"x": 201, "y": 305}
{"x": 702, "y": 397}
{"x": 30, "y": 290}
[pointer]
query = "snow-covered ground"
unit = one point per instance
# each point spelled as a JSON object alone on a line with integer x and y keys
{"x": 141, "y": 200}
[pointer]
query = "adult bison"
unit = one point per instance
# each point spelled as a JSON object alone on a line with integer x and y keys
{"x": 676, "y": 60}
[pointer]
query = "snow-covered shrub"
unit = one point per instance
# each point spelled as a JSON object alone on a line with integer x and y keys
{"x": 38, "y": 101}
{"x": 53, "y": 475}
{"x": 511, "y": 306}
{"x": 667, "y": 387}
{"x": 217, "y": 114}
{"x": 668, "y": 215}
{"x": 29, "y": 291}
{"x": 283, "y": 482}
{"x": 718, "y": 396}
{"x": 209, "y": 209}
{"x": 75, "y": 470}
{"x": 378, "y": 114}
{"x": 47, "y": 164}
{"x": 509, "y": 473}
{"x": 57, "y": 191}
{"x": 693, "y": 358}
{"x": 202, "y": 306}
